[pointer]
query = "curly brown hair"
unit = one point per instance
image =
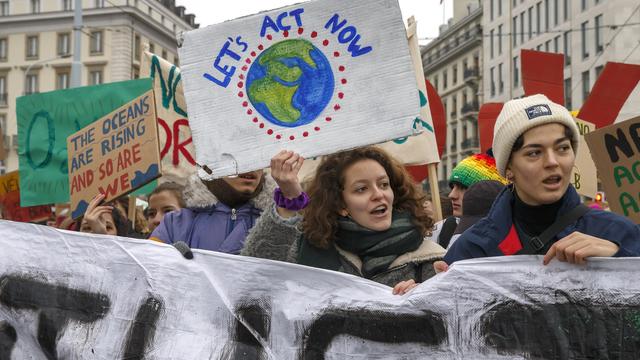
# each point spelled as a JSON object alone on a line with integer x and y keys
{"x": 320, "y": 217}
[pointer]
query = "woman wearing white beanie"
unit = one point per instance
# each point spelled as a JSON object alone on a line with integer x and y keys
{"x": 534, "y": 144}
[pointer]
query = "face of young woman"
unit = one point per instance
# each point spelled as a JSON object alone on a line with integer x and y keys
{"x": 367, "y": 195}
{"x": 245, "y": 183}
{"x": 541, "y": 169}
{"x": 159, "y": 205}
{"x": 109, "y": 224}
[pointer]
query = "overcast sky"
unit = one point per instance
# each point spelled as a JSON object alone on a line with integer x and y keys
{"x": 428, "y": 13}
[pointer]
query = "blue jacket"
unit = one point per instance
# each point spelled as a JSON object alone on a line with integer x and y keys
{"x": 495, "y": 235}
{"x": 216, "y": 228}
{"x": 209, "y": 224}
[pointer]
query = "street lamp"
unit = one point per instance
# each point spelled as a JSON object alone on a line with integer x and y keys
{"x": 26, "y": 73}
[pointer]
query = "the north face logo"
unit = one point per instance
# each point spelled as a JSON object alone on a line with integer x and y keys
{"x": 537, "y": 110}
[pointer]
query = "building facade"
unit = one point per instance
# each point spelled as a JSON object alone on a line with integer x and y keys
{"x": 36, "y": 46}
{"x": 589, "y": 33}
{"x": 453, "y": 64}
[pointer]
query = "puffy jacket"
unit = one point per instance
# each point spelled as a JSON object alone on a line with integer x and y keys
{"x": 209, "y": 224}
{"x": 494, "y": 234}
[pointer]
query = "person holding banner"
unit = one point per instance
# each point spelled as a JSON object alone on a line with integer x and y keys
{"x": 534, "y": 143}
{"x": 219, "y": 213}
{"x": 362, "y": 216}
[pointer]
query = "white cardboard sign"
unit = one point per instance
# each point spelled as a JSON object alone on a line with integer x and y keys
{"x": 315, "y": 77}
{"x": 72, "y": 295}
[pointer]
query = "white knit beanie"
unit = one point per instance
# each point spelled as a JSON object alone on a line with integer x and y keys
{"x": 518, "y": 116}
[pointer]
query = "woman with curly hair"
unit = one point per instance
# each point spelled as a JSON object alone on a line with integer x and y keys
{"x": 363, "y": 216}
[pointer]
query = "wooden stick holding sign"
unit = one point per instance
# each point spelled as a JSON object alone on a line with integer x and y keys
{"x": 414, "y": 50}
{"x": 115, "y": 155}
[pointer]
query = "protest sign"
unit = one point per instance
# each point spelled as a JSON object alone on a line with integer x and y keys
{"x": 584, "y": 176}
{"x": 44, "y": 122}
{"x": 616, "y": 153}
{"x": 10, "y": 202}
{"x": 119, "y": 298}
{"x": 174, "y": 135}
{"x": 115, "y": 155}
{"x": 316, "y": 78}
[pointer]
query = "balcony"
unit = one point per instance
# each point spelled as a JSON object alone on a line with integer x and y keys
{"x": 470, "y": 143}
{"x": 471, "y": 75}
{"x": 4, "y": 100}
{"x": 470, "y": 110}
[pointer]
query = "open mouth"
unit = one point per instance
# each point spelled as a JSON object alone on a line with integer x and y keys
{"x": 248, "y": 176}
{"x": 552, "y": 180}
{"x": 379, "y": 210}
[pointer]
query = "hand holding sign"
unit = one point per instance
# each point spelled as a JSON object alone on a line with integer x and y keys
{"x": 94, "y": 216}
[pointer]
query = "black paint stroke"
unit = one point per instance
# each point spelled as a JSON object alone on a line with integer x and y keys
{"x": 8, "y": 339}
{"x": 428, "y": 329}
{"x": 143, "y": 329}
{"x": 572, "y": 329}
{"x": 57, "y": 305}
{"x": 255, "y": 313}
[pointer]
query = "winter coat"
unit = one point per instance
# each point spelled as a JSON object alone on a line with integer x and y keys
{"x": 275, "y": 238}
{"x": 209, "y": 224}
{"x": 495, "y": 235}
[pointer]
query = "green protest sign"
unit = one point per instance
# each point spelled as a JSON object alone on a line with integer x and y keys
{"x": 46, "y": 120}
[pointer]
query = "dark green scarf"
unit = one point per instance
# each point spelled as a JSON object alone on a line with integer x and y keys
{"x": 376, "y": 249}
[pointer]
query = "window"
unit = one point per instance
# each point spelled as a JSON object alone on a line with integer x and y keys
{"x": 435, "y": 81}
{"x": 4, "y": 49}
{"x": 455, "y": 74}
{"x": 35, "y": 6}
{"x": 64, "y": 43}
{"x": 556, "y": 13}
{"x": 547, "y": 45}
{"x": 491, "y": 43}
{"x": 567, "y": 93}
{"x": 556, "y": 44}
{"x": 136, "y": 47}
{"x": 539, "y": 47}
{"x": 165, "y": 55}
{"x": 516, "y": 72}
{"x": 583, "y": 33}
{"x": 598, "y": 36}
{"x": 99, "y": 3}
{"x": 538, "y": 17}
{"x": 500, "y": 82}
{"x": 530, "y": 19}
{"x": 522, "y": 27}
{"x": 32, "y": 47}
{"x": 566, "y": 9}
{"x": 499, "y": 7}
{"x": 31, "y": 87}
{"x": 514, "y": 27}
{"x": 567, "y": 48}
{"x": 491, "y": 9}
{"x": 500, "y": 40}
{"x": 585, "y": 86}
{"x": 3, "y": 126}
{"x": 96, "y": 43}
{"x": 493, "y": 82}
{"x": 583, "y": 7}
{"x": 67, "y": 5}
{"x": 95, "y": 77}
{"x": 4, "y": 8}
{"x": 546, "y": 15}
{"x": 444, "y": 79}
{"x": 599, "y": 71}
{"x": 62, "y": 79}
{"x": 152, "y": 48}
{"x": 3, "y": 90}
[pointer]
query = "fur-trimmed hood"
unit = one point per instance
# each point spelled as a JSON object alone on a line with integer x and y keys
{"x": 196, "y": 194}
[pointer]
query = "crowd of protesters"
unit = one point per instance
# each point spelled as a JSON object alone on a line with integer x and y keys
{"x": 362, "y": 214}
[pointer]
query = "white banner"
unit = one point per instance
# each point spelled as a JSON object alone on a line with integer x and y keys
{"x": 68, "y": 295}
{"x": 316, "y": 77}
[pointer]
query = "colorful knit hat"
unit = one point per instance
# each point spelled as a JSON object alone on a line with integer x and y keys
{"x": 475, "y": 168}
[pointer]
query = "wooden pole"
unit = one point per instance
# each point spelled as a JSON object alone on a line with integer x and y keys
{"x": 132, "y": 211}
{"x": 414, "y": 50}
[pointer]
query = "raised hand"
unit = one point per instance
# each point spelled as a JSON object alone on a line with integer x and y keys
{"x": 94, "y": 215}
{"x": 284, "y": 170}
